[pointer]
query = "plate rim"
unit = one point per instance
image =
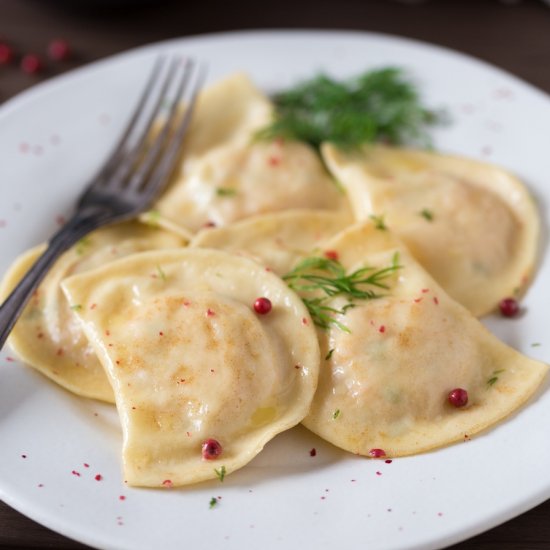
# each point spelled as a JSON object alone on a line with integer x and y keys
{"x": 18, "y": 101}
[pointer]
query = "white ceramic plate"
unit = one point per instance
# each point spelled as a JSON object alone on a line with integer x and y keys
{"x": 53, "y": 444}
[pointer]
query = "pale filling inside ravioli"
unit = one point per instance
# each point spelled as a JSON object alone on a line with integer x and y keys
{"x": 221, "y": 364}
{"x": 277, "y": 240}
{"x": 472, "y": 225}
{"x": 231, "y": 110}
{"x": 462, "y": 234}
{"x": 191, "y": 360}
{"x": 239, "y": 180}
{"x": 49, "y": 336}
{"x": 403, "y": 373}
{"x": 391, "y": 362}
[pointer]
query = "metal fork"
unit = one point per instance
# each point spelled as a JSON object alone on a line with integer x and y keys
{"x": 134, "y": 174}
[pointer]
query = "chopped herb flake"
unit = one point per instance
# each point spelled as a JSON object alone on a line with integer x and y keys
{"x": 225, "y": 192}
{"x": 536, "y": 344}
{"x": 336, "y": 414}
{"x": 152, "y": 218}
{"x": 82, "y": 245}
{"x": 329, "y": 354}
{"x": 161, "y": 273}
{"x": 76, "y": 307}
{"x": 378, "y": 222}
{"x": 220, "y": 472}
{"x": 494, "y": 377}
{"x": 427, "y": 214}
{"x": 213, "y": 502}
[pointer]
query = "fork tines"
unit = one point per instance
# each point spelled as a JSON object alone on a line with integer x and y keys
{"x": 150, "y": 144}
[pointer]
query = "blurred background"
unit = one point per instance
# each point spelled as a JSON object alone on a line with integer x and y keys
{"x": 43, "y": 38}
{"x": 40, "y": 39}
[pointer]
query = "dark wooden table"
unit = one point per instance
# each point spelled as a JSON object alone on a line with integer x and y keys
{"x": 512, "y": 35}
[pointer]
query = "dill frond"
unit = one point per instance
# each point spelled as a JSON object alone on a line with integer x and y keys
{"x": 321, "y": 279}
{"x": 379, "y": 105}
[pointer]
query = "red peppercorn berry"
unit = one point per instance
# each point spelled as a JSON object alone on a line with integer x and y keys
{"x": 31, "y": 64}
{"x": 211, "y": 449}
{"x": 331, "y": 255}
{"x": 377, "y": 453}
{"x": 6, "y": 54}
{"x": 509, "y": 307}
{"x": 59, "y": 50}
{"x": 262, "y": 306}
{"x": 458, "y": 397}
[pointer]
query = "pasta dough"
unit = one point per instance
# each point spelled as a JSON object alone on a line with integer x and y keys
{"x": 240, "y": 180}
{"x": 227, "y": 174}
{"x": 472, "y": 225}
{"x": 191, "y": 360}
{"x": 48, "y": 336}
{"x": 386, "y": 377}
{"x": 276, "y": 241}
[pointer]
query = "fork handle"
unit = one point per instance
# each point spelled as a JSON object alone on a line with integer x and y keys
{"x": 79, "y": 225}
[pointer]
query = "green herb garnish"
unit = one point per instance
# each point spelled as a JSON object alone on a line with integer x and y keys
{"x": 494, "y": 377}
{"x": 226, "y": 192}
{"x": 336, "y": 414}
{"x": 535, "y": 344}
{"x": 379, "y": 105}
{"x": 329, "y": 277}
{"x": 378, "y": 222}
{"x": 82, "y": 245}
{"x": 161, "y": 273}
{"x": 76, "y": 307}
{"x": 152, "y": 218}
{"x": 220, "y": 473}
{"x": 322, "y": 315}
{"x": 329, "y": 354}
{"x": 213, "y": 502}
{"x": 427, "y": 214}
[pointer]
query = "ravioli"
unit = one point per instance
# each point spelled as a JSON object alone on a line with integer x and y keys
{"x": 227, "y": 174}
{"x": 48, "y": 336}
{"x": 472, "y": 225}
{"x": 277, "y": 240}
{"x": 243, "y": 179}
{"x": 191, "y": 361}
{"x": 392, "y": 361}
{"x": 228, "y": 111}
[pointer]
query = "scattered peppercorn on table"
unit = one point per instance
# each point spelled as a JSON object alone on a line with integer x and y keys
{"x": 38, "y": 41}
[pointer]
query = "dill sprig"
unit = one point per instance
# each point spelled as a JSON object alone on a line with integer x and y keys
{"x": 324, "y": 316}
{"x": 329, "y": 278}
{"x": 379, "y": 105}
{"x": 494, "y": 377}
{"x": 220, "y": 473}
{"x": 378, "y": 222}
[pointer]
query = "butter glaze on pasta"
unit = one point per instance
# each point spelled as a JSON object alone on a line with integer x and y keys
{"x": 473, "y": 226}
{"x": 389, "y": 377}
{"x": 276, "y": 240}
{"x": 48, "y": 336}
{"x": 190, "y": 360}
{"x": 227, "y": 174}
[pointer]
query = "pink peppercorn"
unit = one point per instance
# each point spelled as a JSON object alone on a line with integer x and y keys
{"x": 509, "y": 307}
{"x": 458, "y": 397}
{"x": 59, "y": 50}
{"x": 6, "y": 54}
{"x": 377, "y": 453}
{"x": 262, "y": 306}
{"x": 31, "y": 64}
{"x": 211, "y": 449}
